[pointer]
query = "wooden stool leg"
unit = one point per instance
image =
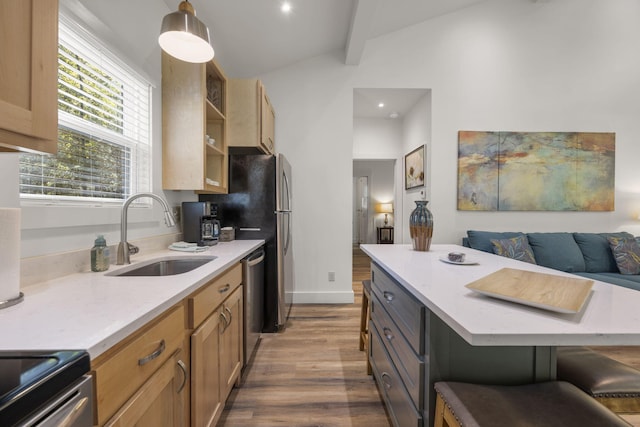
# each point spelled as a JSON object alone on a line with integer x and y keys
{"x": 364, "y": 315}
{"x": 443, "y": 416}
{"x": 368, "y": 346}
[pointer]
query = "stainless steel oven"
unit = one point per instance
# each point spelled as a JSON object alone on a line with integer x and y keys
{"x": 46, "y": 388}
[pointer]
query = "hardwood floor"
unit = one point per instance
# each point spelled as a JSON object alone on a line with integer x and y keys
{"x": 313, "y": 374}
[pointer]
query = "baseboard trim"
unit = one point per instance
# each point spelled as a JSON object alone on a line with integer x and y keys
{"x": 346, "y": 297}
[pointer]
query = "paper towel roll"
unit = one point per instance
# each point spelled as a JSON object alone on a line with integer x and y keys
{"x": 9, "y": 253}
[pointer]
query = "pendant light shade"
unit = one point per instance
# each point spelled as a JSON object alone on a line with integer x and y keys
{"x": 184, "y": 36}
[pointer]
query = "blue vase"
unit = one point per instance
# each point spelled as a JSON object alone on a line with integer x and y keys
{"x": 421, "y": 226}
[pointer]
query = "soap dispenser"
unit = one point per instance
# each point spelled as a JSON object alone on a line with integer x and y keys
{"x": 100, "y": 255}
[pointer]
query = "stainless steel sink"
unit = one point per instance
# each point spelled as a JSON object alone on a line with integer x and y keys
{"x": 167, "y": 266}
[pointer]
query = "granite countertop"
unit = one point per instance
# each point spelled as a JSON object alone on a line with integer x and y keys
{"x": 93, "y": 311}
{"x": 610, "y": 315}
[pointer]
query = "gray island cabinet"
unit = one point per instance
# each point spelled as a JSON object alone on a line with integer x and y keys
{"x": 427, "y": 326}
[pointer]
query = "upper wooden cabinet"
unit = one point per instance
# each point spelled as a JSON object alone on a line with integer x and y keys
{"x": 28, "y": 75}
{"x": 194, "y": 105}
{"x": 251, "y": 116}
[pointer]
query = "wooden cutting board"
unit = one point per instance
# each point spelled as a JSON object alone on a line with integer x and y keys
{"x": 547, "y": 291}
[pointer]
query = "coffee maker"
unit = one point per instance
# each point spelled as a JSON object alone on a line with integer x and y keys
{"x": 199, "y": 223}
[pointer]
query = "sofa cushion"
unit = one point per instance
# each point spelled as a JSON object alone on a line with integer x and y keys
{"x": 626, "y": 252}
{"x": 516, "y": 248}
{"x": 557, "y": 250}
{"x": 481, "y": 240}
{"x": 597, "y": 252}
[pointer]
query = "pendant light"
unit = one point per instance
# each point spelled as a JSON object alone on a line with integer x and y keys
{"x": 184, "y": 36}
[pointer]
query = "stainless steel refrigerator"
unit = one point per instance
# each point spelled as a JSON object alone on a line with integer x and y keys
{"x": 259, "y": 206}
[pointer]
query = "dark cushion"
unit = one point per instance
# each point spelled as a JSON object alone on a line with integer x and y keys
{"x": 596, "y": 251}
{"x": 557, "y": 250}
{"x": 626, "y": 252}
{"x": 548, "y": 404}
{"x": 597, "y": 374}
{"x": 516, "y": 248}
{"x": 481, "y": 240}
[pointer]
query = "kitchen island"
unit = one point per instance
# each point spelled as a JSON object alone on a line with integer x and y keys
{"x": 427, "y": 326}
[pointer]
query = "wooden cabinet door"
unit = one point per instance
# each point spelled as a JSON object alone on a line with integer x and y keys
{"x": 159, "y": 402}
{"x": 29, "y": 74}
{"x": 268, "y": 119}
{"x": 231, "y": 345}
{"x": 206, "y": 404}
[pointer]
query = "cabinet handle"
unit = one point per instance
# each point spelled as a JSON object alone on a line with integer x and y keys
{"x": 388, "y": 296}
{"x": 228, "y": 310}
{"x": 183, "y": 368}
{"x": 387, "y": 333}
{"x": 153, "y": 355}
{"x": 224, "y": 289}
{"x": 224, "y": 320}
{"x": 384, "y": 376}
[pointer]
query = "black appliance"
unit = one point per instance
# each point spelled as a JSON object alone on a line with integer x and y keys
{"x": 199, "y": 223}
{"x": 258, "y": 206}
{"x": 45, "y": 388}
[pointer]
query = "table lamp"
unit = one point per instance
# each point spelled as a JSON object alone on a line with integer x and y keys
{"x": 386, "y": 209}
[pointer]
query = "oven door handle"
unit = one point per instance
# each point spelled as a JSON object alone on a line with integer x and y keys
{"x": 74, "y": 413}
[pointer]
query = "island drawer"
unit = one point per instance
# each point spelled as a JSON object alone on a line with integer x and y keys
{"x": 407, "y": 312}
{"x": 210, "y": 296}
{"x": 399, "y": 404}
{"x": 409, "y": 365}
{"x": 121, "y": 371}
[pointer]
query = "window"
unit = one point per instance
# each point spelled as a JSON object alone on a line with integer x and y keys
{"x": 103, "y": 128}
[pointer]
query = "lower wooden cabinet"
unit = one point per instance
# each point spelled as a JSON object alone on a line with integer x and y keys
{"x": 206, "y": 403}
{"x": 122, "y": 372}
{"x": 231, "y": 345}
{"x": 159, "y": 402}
{"x": 178, "y": 369}
{"x": 216, "y": 360}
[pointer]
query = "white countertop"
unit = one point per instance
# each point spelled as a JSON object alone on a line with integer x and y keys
{"x": 92, "y": 311}
{"x": 611, "y": 315}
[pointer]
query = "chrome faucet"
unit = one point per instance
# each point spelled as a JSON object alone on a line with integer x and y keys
{"x": 125, "y": 248}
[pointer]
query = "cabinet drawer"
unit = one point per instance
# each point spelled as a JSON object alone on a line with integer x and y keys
{"x": 409, "y": 365}
{"x": 207, "y": 299}
{"x": 398, "y": 401}
{"x": 407, "y": 312}
{"x": 130, "y": 365}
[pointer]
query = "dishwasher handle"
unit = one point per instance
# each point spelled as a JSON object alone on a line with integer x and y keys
{"x": 255, "y": 258}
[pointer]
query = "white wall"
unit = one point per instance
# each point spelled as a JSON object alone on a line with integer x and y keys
{"x": 416, "y": 131}
{"x": 564, "y": 65}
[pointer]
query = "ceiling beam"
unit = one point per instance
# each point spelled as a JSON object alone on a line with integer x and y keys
{"x": 361, "y": 18}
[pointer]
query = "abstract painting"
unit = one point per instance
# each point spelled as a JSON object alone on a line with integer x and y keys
{"x": 536, "y": 171}
{"x": 414, "y": 168}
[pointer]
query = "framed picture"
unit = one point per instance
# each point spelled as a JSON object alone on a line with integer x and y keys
{"x": 414, "y": 169}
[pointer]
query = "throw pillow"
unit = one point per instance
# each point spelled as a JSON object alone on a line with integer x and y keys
{"x": 626, "y": 252}
{"x": 515, "y": 247}
{"x": 596, "y": 251}
{"x": 481, "y": 240}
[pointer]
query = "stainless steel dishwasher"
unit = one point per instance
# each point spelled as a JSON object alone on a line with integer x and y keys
{"x": 253, "y": 279}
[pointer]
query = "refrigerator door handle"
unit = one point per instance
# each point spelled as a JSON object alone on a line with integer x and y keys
{"x": 283, "y": 211}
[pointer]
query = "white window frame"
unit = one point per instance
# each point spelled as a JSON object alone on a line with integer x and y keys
{"x": 141, "y": 181}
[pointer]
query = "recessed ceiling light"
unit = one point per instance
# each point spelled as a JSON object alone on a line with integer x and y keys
{"x": 286, "y": 7}
{"x": 380, "y": 105}
{"x": 394, "y": 115}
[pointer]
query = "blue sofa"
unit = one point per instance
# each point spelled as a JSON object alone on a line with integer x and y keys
{"x": 584, "y": 254}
